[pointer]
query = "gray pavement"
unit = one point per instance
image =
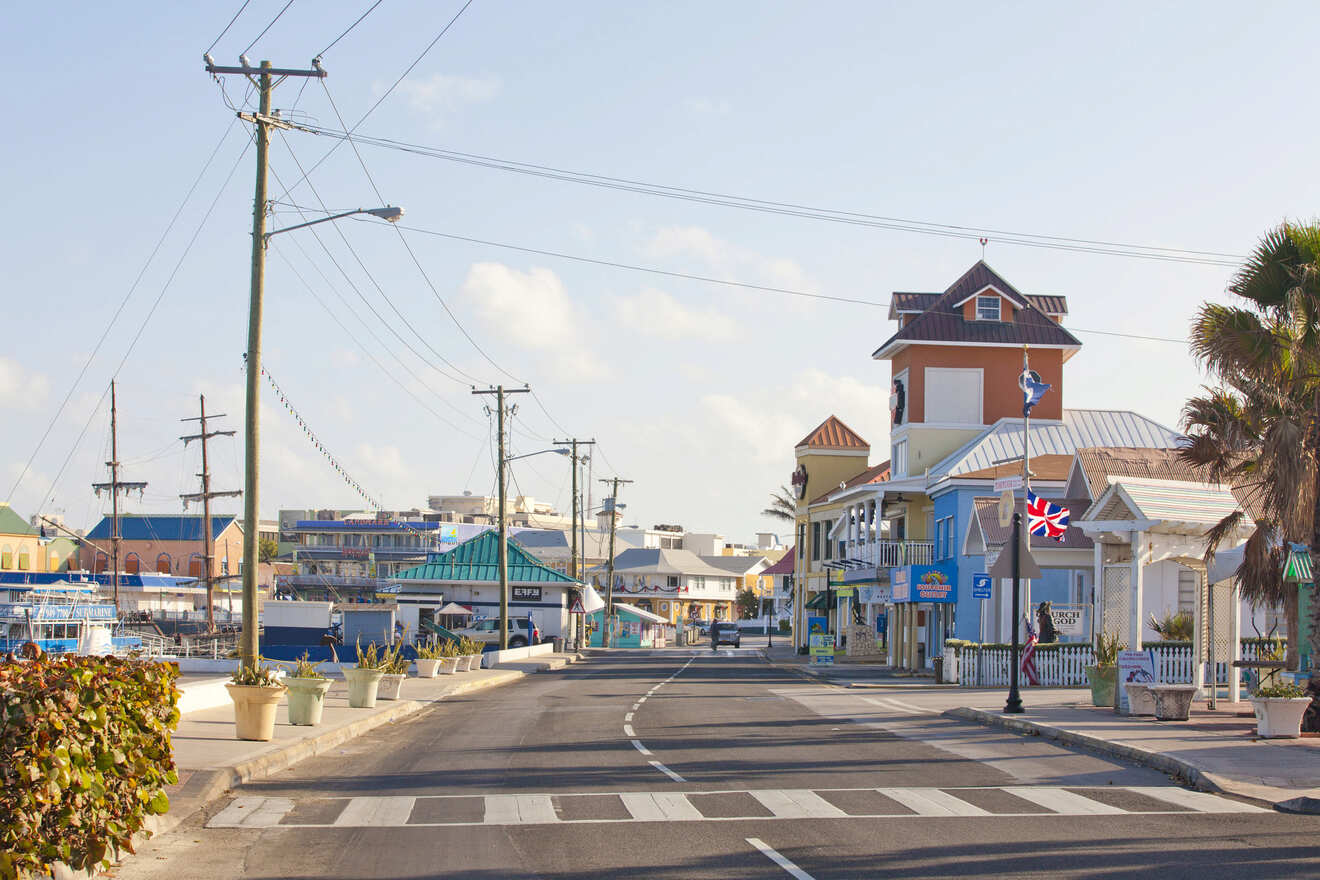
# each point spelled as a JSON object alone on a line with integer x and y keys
{"x": 704, "y": 764}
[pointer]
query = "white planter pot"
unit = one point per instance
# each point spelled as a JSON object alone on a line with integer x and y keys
{"x": 306, "y": 699}
{"x": 427, "y": 668}
{"x": 363, "y": 685}
{"x": 1279, "y": 717}
{"x": 390, "y": 683}
{"x": 448, "y": 665}
{"x": 475, "y": 661}
{"x": 254, "y": 710}
{"x": 1140, "y": 700}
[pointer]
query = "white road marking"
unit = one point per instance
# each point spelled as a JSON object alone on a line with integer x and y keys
{"x": 637, "y": 744}
{"x": 636, "y": 706}
{"x": 1061, "y": 801}
{"x": 628, "y": 717}
{"x": 885, "y": 704}
{"x": 1196, "y": 800}
{"x": 798, "y": 803}
{"x": 912, "y": 706}
{"x": 932, "y": 802}
{"x": 520, "y": 809}
{"x": 793, "y": 870}
{"x": 252, "y": 812}
{"x": 660, "y": 807}
{"x": 628, "y": 730}
{"x": 665, "y": 770}
{"x": 376, "y": 812}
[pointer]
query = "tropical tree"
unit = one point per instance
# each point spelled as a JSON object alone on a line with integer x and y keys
{"x": 1258, "y": 427}
{"x": 782, "y": 505}
{"x": 748, "y": 604}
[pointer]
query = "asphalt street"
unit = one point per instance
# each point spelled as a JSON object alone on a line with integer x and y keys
{"x": 694, "y": 764}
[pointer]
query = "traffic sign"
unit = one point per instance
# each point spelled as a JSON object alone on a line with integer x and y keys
{"x": 576, "y": 607}
{"x": 980, "y": 586}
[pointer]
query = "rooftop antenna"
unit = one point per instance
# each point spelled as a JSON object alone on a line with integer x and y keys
{"x": 984, "y": 241}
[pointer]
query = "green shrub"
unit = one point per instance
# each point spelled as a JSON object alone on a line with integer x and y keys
{"x": 1286, "y": 689}
{"x": 85, "y": 757}
{"x": 1107, "y": 646}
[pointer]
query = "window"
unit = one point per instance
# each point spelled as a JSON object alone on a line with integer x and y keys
{"x": 987, "y": 308}
{"x": 953, "y": 396}
{"x": 815, "y": 542}
{"x": 163, "y": 563}
{"x": 939, "y": 539}
{"x": 1187, "y": 583}
{"x": 672, "y": 581}
{"x": 945, "y": 547}
{"x": 898, "y": 460}
{"x": 829, "y": 544}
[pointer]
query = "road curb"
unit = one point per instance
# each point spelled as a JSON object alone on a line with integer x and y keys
{"x": 1194, "y": 776}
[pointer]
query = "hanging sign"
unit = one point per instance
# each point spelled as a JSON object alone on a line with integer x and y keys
{"x": 1005, "y": 508}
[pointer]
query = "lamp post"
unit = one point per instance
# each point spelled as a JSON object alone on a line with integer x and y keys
{"x": 504, "y": 545}
{"x": 247, "y": 643}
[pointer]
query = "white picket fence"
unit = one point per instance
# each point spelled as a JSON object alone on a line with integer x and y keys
{"x": 1064, "y": 665}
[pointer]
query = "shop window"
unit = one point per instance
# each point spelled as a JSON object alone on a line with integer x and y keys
{"x": 53, "y": 561}
{"x": 133, "y": 564}
{"x": 102, "y": 562}
{"x": 7, "y": 557}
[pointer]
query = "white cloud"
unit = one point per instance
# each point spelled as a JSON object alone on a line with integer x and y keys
{"x": 533, "y": 310}
{"x": 728, "y": 260}
{"x": 708, "y": 106}
{"x": 20, "y": 388}
{"x": 441, "y": 95}
{"x": 656, "y": 313}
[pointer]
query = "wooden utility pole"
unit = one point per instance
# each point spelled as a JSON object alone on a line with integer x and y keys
{"x": 573, "y": 570}
{"x": 264, "y": 78}
{"x": 499, "y": 391}
{"x": 205, "y": 496}
{"x": 114, "y": 487}
{"x": 612, "y": 508}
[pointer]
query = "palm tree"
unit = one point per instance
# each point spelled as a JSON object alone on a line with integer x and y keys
{"x": 782, "y": 505}
{"x": 1258, "y": 429}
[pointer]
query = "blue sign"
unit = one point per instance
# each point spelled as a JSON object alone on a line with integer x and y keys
{"x": 980, "y": 586}
{"x": 920, "y": 583}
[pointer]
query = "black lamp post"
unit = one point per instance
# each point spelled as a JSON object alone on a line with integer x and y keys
{"x": 1014, "y": 704}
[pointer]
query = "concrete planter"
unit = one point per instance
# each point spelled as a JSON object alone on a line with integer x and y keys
{"x": 474, "y": 662}
{"x": 448, "y": 665}
{"x": 390, "y": 683}
{"x": 362, "y": 685}
{"x": 427, "y": 668}
{"x": 1173, "y": 702}
{"x": 1140, "y": 700}
{"x": 1280, "y": 717}
{"x": 1103, "y": 680}
{"x": 306, "y": 700}
{"x": 254, "y": 710}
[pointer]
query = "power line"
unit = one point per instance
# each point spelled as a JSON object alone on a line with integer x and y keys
{"x": 744, "y": 285}
{"x": 268, "y": 27}
{"x": 124, "y": 302}
{"x": 228, "y": 26}
{"x": 856, "y": 218}
{"x": 370, "y": 10}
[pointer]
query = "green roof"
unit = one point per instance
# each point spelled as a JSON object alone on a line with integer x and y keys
{"x": 1297, "y": 566}
{"x": 477, "y": 561}
{"x": 13, "y": 524}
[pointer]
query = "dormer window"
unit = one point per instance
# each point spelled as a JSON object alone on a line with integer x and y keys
{"x": 987, "y": 308}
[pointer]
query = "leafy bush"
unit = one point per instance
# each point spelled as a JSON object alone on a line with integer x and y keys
{"x": 1173, "y": 626}
{"x": 305, "y": 668}
{"x": 85, "y": 756}
{"x": 1285, "y": 689}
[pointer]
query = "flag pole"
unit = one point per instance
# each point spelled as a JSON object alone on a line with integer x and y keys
{"x": 1026, "y": 473}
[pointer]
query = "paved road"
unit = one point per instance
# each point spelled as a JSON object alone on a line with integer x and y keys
{"x": 694, "y": 765}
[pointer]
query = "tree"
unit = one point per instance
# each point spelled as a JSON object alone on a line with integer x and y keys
{"x": 782, "y": 505}
{"x": 1258, "y": 428}
{"x": 267, "y": 550}
{"x": 748, "y": 604}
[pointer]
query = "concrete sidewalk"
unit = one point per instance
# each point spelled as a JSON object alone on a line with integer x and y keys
{"x": 1213, "y": 751}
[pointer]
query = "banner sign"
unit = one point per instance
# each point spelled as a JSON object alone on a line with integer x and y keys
{"x": 1069, "y": 620}
{"x": 526, "y": 594}
{"x": 1133, "y": 666}
{"x": 821, "y": 647}
{"x": 877, "y": 595}
{"x": 448, "y": 534}
{"x": 920, "y": 583}
{"x": 900, "y": 583}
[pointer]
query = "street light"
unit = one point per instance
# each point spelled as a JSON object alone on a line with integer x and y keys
{"x": 248, "y": 647}
{"x": 504, "y": 544}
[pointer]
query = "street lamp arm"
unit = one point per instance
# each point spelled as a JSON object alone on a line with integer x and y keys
{"x": 541, "y": 452}
{"x": 388, "y": 213}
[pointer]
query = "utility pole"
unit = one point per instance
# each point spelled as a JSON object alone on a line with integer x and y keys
{"x": 499, "y": 391}
{"x": 205, "y": 497}
{"x": 263, "y": 78}
{"x": 114, "y": 487}
{"x": 611, "y": 507}
{"x": 573, "y": 570}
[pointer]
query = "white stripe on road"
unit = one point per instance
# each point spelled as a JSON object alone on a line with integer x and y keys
{"x": 665, "y": 770}
{"x": 899, "y": 706}
{"x": 628, "y": 717}
{"x": 252, "y": 812}
{"x": 915, "y": 708}
{"x": 798, "y": 804}
{"x": 636, "y": 706}
{"x": 628, "y": 730}
{"x": 932, "y": 802}
{"x": 1196, "y": 800}
{"x": 637, "y": 744}
{"x": 660, "y": 807}
{"x": 793, "y": 870}
{"x": 520, "y": 809}
{"x": 1062, "y": 801}
{"x": 376, "y": 812}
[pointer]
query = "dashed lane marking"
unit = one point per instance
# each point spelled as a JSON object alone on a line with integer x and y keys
{"x": 770, "y": 853}
{"x": 665, "y": 770}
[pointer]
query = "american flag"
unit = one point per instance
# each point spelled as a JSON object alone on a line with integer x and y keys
{"x": 1029, "y": 655}
{"x": 1046, "y": 519}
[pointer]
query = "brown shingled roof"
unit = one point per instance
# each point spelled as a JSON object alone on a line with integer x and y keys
{"x": 1043, "y": 467}
{"x": 834, "y": 434}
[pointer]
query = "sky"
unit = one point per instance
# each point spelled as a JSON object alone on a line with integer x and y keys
{"x": 1174, "y": 125}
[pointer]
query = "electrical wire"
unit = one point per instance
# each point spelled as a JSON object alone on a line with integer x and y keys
{"x": 72, "y": 449}
{"x": 228, "y": 26}
{"x": 370, "y": 10}
{"x": 267, "y": 27}
{"x": 169, "y": 227}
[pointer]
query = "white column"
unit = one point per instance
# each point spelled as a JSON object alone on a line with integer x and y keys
{"x": 1134, "y": 618}
{"x": 1235, "y": 640}
{"x": 1098, "y": 591}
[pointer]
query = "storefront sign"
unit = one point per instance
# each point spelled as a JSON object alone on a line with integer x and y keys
{"x": 821, "y": 647}
{"x": 799, "y": 482}
{"x": 875, "y": 595}
{"x": 1133, "y": 666}
{"x": 449, "y": 534}
{"x": 1069, "y": 620}
{"x": 526, "y": 594}
{"x": 981, "y": 588}
{"x": 844, "y": 591}
{"x": 816, "y": 626}
{"x": 920, "y": 583}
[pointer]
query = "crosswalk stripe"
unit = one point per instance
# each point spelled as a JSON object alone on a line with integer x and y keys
{"x": 659, "y": 806}
{"x": 915, "y": 708}
{"x": 1196, "y": 800}
{"x": 520, "y": 809}
{"x": 252, "y": 812}
{"x": 798, "y": 803}
{"x": 1061, "y": 801}
{"x": 932, "y": 802}
{"x": 376, "y": 812}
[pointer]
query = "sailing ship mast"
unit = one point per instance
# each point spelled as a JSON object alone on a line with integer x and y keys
{"x": 114, "y": 487}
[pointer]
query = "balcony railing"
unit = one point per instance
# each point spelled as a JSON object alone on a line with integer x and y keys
{"x": 891, "y": 554}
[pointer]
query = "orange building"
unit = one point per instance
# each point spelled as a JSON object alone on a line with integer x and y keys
{"x": 167, "y": 544}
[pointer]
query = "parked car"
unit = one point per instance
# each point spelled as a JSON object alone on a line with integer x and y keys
{"x": 725, "y": 632}
{"x": 522, "y": 632}
{"x": 701, "y": 626}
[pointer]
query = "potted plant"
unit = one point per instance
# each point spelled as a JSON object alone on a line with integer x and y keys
{"x": 364, "y": 679}
{"x": 429, "y": 656}
{"x": 395, "y": 667}
{"x": 1279, "y": 709}
{"x": 1103, "y": 676}
{"x": 449, "y": 658}
{"x": 256, "y": 692}
{"x": 307, "y": 689}
{"x": 473, "y": 649}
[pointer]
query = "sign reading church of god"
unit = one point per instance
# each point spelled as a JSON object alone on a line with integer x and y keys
{"x": 526, "y": 594}
{"x": 920, "y": 583}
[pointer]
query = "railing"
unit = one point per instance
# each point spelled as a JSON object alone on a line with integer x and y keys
{"x": 891, "y": 554}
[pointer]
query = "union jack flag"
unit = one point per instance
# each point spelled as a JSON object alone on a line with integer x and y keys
{"x": 1046, "y": 519}
{"x": 1029, "y": 655}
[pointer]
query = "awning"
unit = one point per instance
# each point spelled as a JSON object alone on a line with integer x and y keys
{"x": 455, "y": 608}
{"x": 818, "y": 601}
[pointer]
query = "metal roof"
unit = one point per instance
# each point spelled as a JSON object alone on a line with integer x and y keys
{"x": 1079, "y": 428}
{"x": 833, "y": 434}
{"x": 13, "y": 524}
{"x": 161, "y": 527}
{"x": 651, "y": 560}
{"x": 477, "y": 561}
{"x": 1200, "y": 503}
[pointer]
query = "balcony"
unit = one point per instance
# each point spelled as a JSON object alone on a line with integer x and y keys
{"x": 891, "y": 554}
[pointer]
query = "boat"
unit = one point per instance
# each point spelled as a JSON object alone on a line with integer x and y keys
{"x": 64, "y": 618}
